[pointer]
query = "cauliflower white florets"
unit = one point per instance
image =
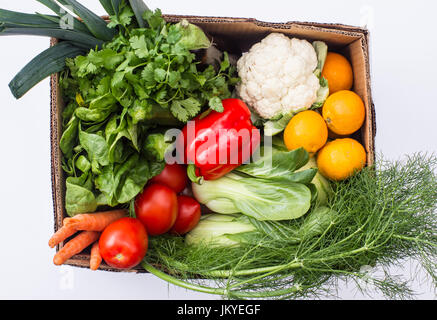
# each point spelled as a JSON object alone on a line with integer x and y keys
{"x": 277, "y": 76}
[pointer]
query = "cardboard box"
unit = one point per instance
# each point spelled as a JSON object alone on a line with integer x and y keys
{"x": 237, "y": 35}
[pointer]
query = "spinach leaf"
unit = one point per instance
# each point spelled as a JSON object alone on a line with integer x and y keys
{"x": 69, "y": 137}
{"x": 121, "y": 183}
{"x": 119, "y": 150}
{"x": 156, "y": 146}
{"x": 97, "y": 149}
{"x": 133, "y": 181}
{"x": 156, "y": 168}
{"x": 99, "y": 109}
{"x": 83, "y": 164}
{"x": 79, "y": 197}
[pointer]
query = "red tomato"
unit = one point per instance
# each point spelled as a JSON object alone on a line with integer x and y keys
{"x": 157, "y": 208}
{"x": 188, "y": 215}
{"x": 123, "y": 244}
{"x": 173, "y": 176}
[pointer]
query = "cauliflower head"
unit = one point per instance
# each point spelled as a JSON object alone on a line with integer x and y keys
{"x": 277, "y": 76}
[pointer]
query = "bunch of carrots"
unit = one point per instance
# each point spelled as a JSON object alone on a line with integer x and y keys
{"x": 88, "y": 227}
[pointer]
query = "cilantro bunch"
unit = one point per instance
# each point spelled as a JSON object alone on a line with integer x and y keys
{"x": 143, "y": 79}
{"x": 154, "y": 67}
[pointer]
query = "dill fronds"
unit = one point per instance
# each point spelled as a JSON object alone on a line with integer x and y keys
{"x": 385, "y": 214}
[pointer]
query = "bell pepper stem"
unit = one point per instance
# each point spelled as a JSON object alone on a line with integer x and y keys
{"x": 191, "y": 172}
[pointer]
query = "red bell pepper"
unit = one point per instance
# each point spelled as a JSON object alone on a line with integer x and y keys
{"x": 218, "y": 142}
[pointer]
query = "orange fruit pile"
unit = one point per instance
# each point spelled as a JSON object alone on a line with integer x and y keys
{"x": 342, "y": 114}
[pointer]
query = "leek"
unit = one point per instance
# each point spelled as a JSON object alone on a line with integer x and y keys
{"x": 49, "y": 61}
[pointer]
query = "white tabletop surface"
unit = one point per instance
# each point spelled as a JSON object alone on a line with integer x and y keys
{"x": 404, "y": 68}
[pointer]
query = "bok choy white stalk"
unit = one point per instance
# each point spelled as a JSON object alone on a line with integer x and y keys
{"x": 221, "y": 230}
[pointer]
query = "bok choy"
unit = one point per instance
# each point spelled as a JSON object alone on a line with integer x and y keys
{"x": 267, "y": 189}
{"x": 221, "y": 230}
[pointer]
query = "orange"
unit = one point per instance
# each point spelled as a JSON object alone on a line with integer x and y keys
{"x": 344, "y": 112}
{"x": 341, "y": 158}
{"x": 306, "y": 129}
{"x": 338, "y": 71}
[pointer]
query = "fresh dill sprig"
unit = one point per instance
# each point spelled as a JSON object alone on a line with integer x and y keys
{"x": 385, "y": 214}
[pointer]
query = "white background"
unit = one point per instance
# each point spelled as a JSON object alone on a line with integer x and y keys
{"x": 403, "y": 61}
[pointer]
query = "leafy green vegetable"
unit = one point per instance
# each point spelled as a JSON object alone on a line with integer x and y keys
{"x": 323, "y": 186}
{"x": 122, "y": 16}
{"x": 323, "y": 93}
{"x": 378, "y": 217}
{"x": 117, "y": 95}
{"x": 82, "y": 35}
{"x": 83, "y": 164}
{"x": 215, "y": 230}
{"x": 96, "y": 148}
{"x": 266, "y": 189}
{"x": 121, "y": 183}
{"x": 259, "y": 198}
{"x": 277, "y": 164}
{"x": 79, "y": 196}
{"x": 273, "y": 127}
{"x": 154, "y": 68}
{"x": 157, "y": 146}
{"x": 322, "y": 52}
{"x": 69, "y": 137}
{"x": 192, "y": 37}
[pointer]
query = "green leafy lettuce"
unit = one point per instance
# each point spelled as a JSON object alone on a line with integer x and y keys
{"x": 117, "y": 95}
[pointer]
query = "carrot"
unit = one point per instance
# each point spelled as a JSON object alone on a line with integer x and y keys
{"x": 75, "y": 246}
{"x": 63, "y": 233}
{"x": 96, "y": 258}
{"x": 94, "y": 221}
